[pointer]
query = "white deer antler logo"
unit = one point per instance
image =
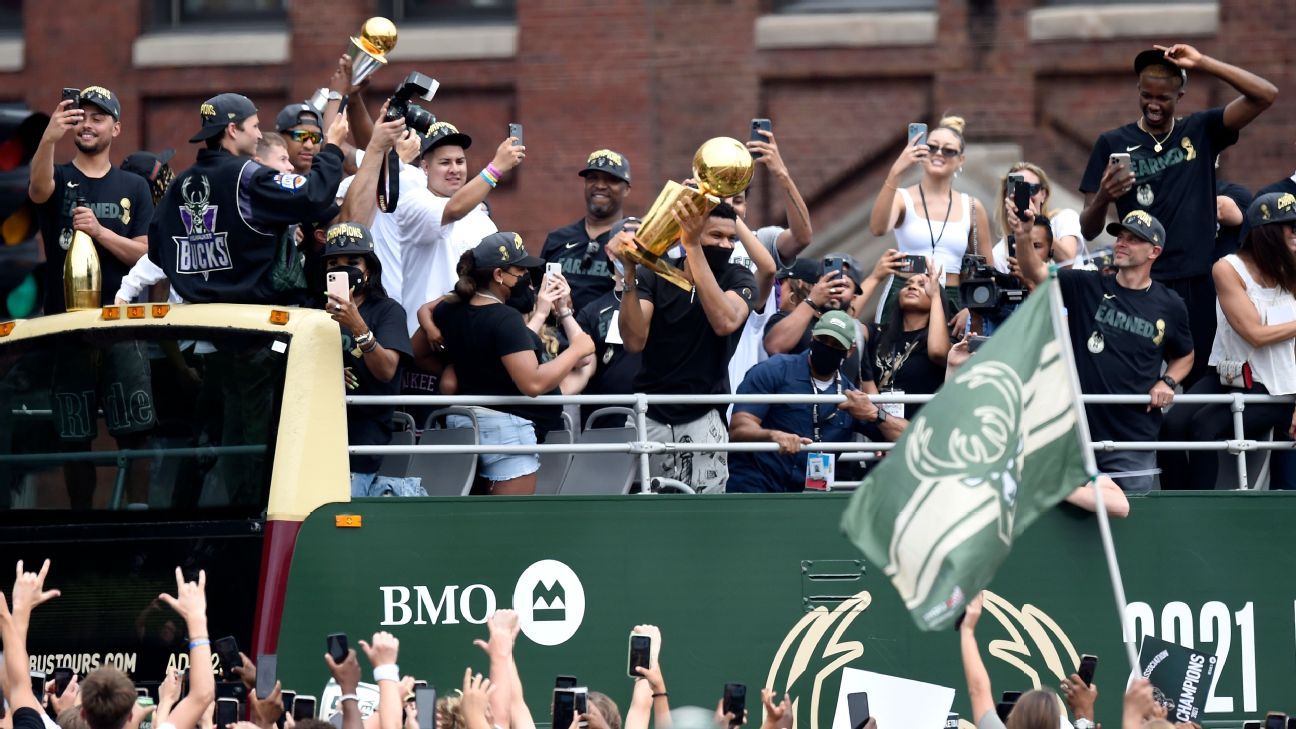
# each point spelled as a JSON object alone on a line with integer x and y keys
{"x": 195, "y": 203}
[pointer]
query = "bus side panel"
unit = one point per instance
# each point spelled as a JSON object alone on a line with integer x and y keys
{"x": 272, "y": 583}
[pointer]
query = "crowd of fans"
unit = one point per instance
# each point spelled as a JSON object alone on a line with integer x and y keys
{"x": 106, "y": 698}
{"x": 1196, "y": 295}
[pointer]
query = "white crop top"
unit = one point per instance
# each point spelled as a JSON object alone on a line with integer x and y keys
{"x": 1273, "y": 364}
{"x": 914, "y": 237}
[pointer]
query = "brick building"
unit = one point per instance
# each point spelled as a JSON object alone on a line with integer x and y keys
{"x": 1037, "y": 79}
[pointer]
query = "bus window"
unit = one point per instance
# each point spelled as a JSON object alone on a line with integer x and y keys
{"x": 147, "y": 419}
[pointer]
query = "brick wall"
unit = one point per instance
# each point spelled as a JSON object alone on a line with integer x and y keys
{"x": 655, "y": 79}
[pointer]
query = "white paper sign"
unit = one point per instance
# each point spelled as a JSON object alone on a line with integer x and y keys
{"x": 894, "y": 701}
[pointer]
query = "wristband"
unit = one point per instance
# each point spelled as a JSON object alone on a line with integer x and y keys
{"x": 494, "y": 171}
{"x": 365, "y": 338}
{"x": 196, "y": 642}
{"x": 489, "y": 180}
{"x": 348, "y": 697}
{"x": 660, "y": 695}
{"x": 564, "y": 313}
{"x": 368, "y": 347}
{"x": 386, "y": 672}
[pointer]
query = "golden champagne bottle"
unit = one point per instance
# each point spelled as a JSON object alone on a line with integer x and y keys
{"x": 82, "y": 276}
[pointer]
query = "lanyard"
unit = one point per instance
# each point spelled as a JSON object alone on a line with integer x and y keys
{"x": 814, "y": 409}
{"x": 949, "y": 206}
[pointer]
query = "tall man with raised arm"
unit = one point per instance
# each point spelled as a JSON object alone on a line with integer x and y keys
{"x": 1171, "y": 172}
{"x": 119, "y": 204}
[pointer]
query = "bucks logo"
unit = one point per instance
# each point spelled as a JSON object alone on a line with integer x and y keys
{"x": 202, "y": 250}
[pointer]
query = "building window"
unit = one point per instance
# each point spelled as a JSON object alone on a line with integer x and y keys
{"x": 164, "y": 14}
{"x": 449, "y": 11}
{"x": 11, "y": 17}
{"x": 850, "y": 6}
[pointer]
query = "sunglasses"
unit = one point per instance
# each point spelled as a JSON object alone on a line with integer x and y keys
{"x": 1034, "y": 187}
{"x": 302, "y": 136}
{"x": 948, "y": 152}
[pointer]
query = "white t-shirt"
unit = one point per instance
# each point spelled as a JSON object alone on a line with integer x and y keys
{"x": 1064, "y": 222}
{"x": 751, "y": 345}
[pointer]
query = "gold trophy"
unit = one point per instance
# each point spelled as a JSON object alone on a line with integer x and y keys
{"x": 82, "y": 276}
{"x": 369, "y": 51}
{"x": 723, "y": 168}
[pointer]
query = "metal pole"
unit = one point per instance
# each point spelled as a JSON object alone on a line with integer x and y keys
{"x": 1238, "y": 434}
{"x": 641, "y": 430}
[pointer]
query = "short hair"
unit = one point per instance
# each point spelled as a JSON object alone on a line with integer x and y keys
{"x": 268, "y": 140}
{"x": 1037, "y": 709}
{"x": 1162, "y": 72}
{"x": 107, "y": 697}
{"x": 607, "y": 707}
{"x": 724, "y": 211}
{"x": 70, "y": 718}
{"x": 214, "y": 141}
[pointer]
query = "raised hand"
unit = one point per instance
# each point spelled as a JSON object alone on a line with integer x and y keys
{"x": 476, "y": 694}
{"x": 384, "y": 650}
{"x": 504, "y": 627}
{"x": 1182, "y": 55}
{"x": 191, "y": 598}
{"x": 346, "y": 673}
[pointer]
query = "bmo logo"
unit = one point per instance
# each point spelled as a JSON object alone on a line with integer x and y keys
{"x": 550, "y": 602}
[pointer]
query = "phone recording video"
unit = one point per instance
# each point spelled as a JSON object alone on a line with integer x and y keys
{"x": 62, "y": 677}
{"x": 38, "y": 683}
{"x": 735, "y": 702}
{"x": 515, "y": 131}
{"x": 1088, "y": 664}
{"x": 562, "y": 681}
{"x": 227, "y": 713}
{"x": 758, "y": 126}
{"x": 1021, "y": 195}
{"x": 913, "y": 264}
{"x": 303, "y": 708}
{"x": 227, "y": 650}
{"x": 70, "y": 94}
{"x": 564, "y": 706}
{"x": 267, "y": 669}
{"x": 975, "y": 341}
{"x": 339, "y": 285}
{"x": 425, "y": 698}
{"x": 640, "y": 650}
{"x": 858, "y": 707}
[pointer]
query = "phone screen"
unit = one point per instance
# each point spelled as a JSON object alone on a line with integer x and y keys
{"x": 640, "y": 649}
{"x": 1275, "y": 721}
{"x": 735, "y": 702}
{"x": 975, "y": 342}
{"x": 303, "y": 708}
{"x": 62, "y": 677}
{"x": 267, "y": 668}
{"x": 425, "y": 702}
{"x": 564, "y": 705}
{"x": 858, "y": 707}
{"x": 337, "y": 642}
{"x": 226, "y": 712}
{"x": 1088, "y": 664}
{"x": 227, "y": 649}
{"x": 564, "y": 682}
{"x": 580, "y": 700}
{"x": 70, "y": 94}
{"x": 38, "y": 684}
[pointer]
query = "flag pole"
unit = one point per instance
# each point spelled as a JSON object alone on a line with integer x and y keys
{"x": 1082, "y": 427}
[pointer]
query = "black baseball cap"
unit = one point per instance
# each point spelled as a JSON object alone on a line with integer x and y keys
{"x": 500, "y": 250}
{"x": 1142, "y": 224}
{"x": 851, "y": 269}
{"x": 147, "y": 164}
{"x": 220, "y": 110}
{"x": 1272, "y": 207}
{"x": 802, "y": 269}
{"x": 605, "y": 160}
{"x": 348, "y": 239}
{"x": 297, "y": 115}
{"x": 1153, "y": 57}
{"x": 102, "y": 98}
{"x": 442, "y": 133}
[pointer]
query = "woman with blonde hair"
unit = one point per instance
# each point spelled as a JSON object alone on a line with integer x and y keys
{"x": 925, "y": 217}
{"x": 1068, "y": 243}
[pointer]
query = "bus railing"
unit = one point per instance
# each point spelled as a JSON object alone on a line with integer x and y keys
{"x": 642, "y": 447}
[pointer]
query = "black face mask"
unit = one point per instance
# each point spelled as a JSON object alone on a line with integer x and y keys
{"x": 354, "y": 276}
{"x": 521, "y": 295}
{"x": 716, "y": 257}
{"x": 825, "y": 359}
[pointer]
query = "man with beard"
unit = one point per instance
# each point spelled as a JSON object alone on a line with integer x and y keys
{"x": 299, "y": 124}
{"x": 1171, "y": 172}
{"x": 687, "y": 338}
{"x": 579, "y": 246}
{"x": 119, "y": 205}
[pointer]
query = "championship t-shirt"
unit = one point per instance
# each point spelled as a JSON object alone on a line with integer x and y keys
{"x": 1120, "y": 337}
{"x": 120, "y": 200}
{"x": 584, "y": 262}
{"x": 372, "y": 424}
{"x": 1176, "y": 185}
{"x": 616, "y": 367}
{"x": 683, "y": 354}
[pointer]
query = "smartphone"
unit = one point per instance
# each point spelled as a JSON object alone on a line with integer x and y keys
{"x": 420, "y": 683}
{"x": 143, "y": 693}
{"x": 62, "y": 677}
{"x": 1275, "y": 720}
{"x": 562, "y": 681}
{"x": 267, "y": 668}
{"x": 552, "y": 269}
{"x": 975, "y": 342}
{"x": 857, "y": 705}
{"x": 735, "y": 702}
{"x": 913, "y": 264}
{"x": 337, "y": 647}
{"x": 227, "y": 711}
{"x": 834, "y": 263}
{"x": 70, "y": 94}
{"x": 564, "y": 704}
{"x": 339, "y": 284}
{"x": 1291, "y": 722}
{"x": 919, "y": 130}
{"x": 38, "y": 684}
{"x": 515, "y": 131}
{"x": 640, "y": 650}
{"x": 1088, "y": 664}
{"x": 952, "y": 721}
{"x": 184, "y": 683}
{"x": 1010, "y": 697}
{"x": 1250, "y": 725}
{"x": 1119, "y": 159}
{"x": 1020, "y": 194}
{"x": 303, "y": 708}
{"x": 287, "y": 697}
{"x": 1002, "y": 710}
{"x": 580, "y": 699}
{"x": 425, "y": 698}
{"x": 758, "y": 126}
{"x": 227, "y": 649}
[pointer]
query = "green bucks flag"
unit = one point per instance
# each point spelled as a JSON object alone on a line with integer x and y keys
{"x": 999, "y": 444}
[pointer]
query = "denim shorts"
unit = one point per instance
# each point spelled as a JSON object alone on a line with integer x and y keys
{"x": 498, "y": 428}
{"x": 372, "y": 484}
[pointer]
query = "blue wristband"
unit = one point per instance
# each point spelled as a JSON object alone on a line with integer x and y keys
{"x": 200, "y": 642}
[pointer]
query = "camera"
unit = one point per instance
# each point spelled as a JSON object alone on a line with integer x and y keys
{"x": 415, "y": 116}
{"x": 986, "y": 291}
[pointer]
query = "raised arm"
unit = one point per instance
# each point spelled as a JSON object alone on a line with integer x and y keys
{"x": 799, "y": 232}
{"x": 938, "y": 341}
{"x": 978, "y": 680}
{"x": 533, "y": 378}
{"x": 359, "y": 205}
{"x": 888, "y": 208}
{"x": 635, "y": 315}
{"x": 1257, "y": 93}
{"x": 725, "y": 310}
{"x": 40, "y": 186}
{"x": 28, "y": 592}
{"x": 508, "y": 155}
{"x": 649, "y": 697}
{"x": 191, "y": 603}
{"x": 347, "y": 675}
{"x": 761, "y": 258}
{"x": 382, "y": 656}
{"x": 503, "y": 628}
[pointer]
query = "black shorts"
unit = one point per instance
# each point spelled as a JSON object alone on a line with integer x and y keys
{"x": 116, "y": 379}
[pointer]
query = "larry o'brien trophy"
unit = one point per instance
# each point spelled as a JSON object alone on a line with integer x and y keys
{"x": 369, "y": 51}
{"x": 82, "y": 276}
{"x": 722, "y": 168}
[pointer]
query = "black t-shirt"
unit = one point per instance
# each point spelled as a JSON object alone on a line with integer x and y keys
{"x": 904, "y": 366}
{"x": 616, "y": 367}
{"x": 372, "y": 424}
{"x": 1120, "y": 337}
{"x": 1175, "y": 185}
{"x": 27, "y": 718}
{"x": 1228, "y": 237}
{"x": 120, "y": 200}
{"x": 477, "y": 339}
{"x": 683, "y": 354}
{"x": 589, "y": 274}
{"x": 852, "y": 366}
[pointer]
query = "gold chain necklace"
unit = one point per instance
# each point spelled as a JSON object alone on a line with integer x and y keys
{"x": 1157, "y": 147}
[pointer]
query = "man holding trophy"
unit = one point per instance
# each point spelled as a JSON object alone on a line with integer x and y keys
{"x": 687, "y": 318}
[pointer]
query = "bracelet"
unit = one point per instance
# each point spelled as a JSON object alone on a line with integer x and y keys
{"x": 660, "y": 695}
{"x": 368, "y": 347}
{"x": 564, "y": 313}
{"x": 492, "y": 181}
{"x": 387, "y": 672}
{"x": 494, "y": 171}
{"x": 365, "y": 338}
{"x": 348, "y": 697}
{"x": 196, "y": 642}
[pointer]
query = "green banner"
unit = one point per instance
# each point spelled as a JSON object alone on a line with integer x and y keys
{"x": 1181, "y": 677}
{"x": 997, "y": 446}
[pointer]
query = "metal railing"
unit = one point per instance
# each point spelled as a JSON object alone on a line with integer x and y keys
{"x": 1239, "y": 445}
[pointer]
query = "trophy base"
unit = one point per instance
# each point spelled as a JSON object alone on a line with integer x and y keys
{"x": 660, "y": 266}
{"x": 363, "y": 63}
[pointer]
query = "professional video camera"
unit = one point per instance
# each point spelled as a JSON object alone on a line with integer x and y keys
{"x": 415, "y": 116}
{"x": 986, "y": 291}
